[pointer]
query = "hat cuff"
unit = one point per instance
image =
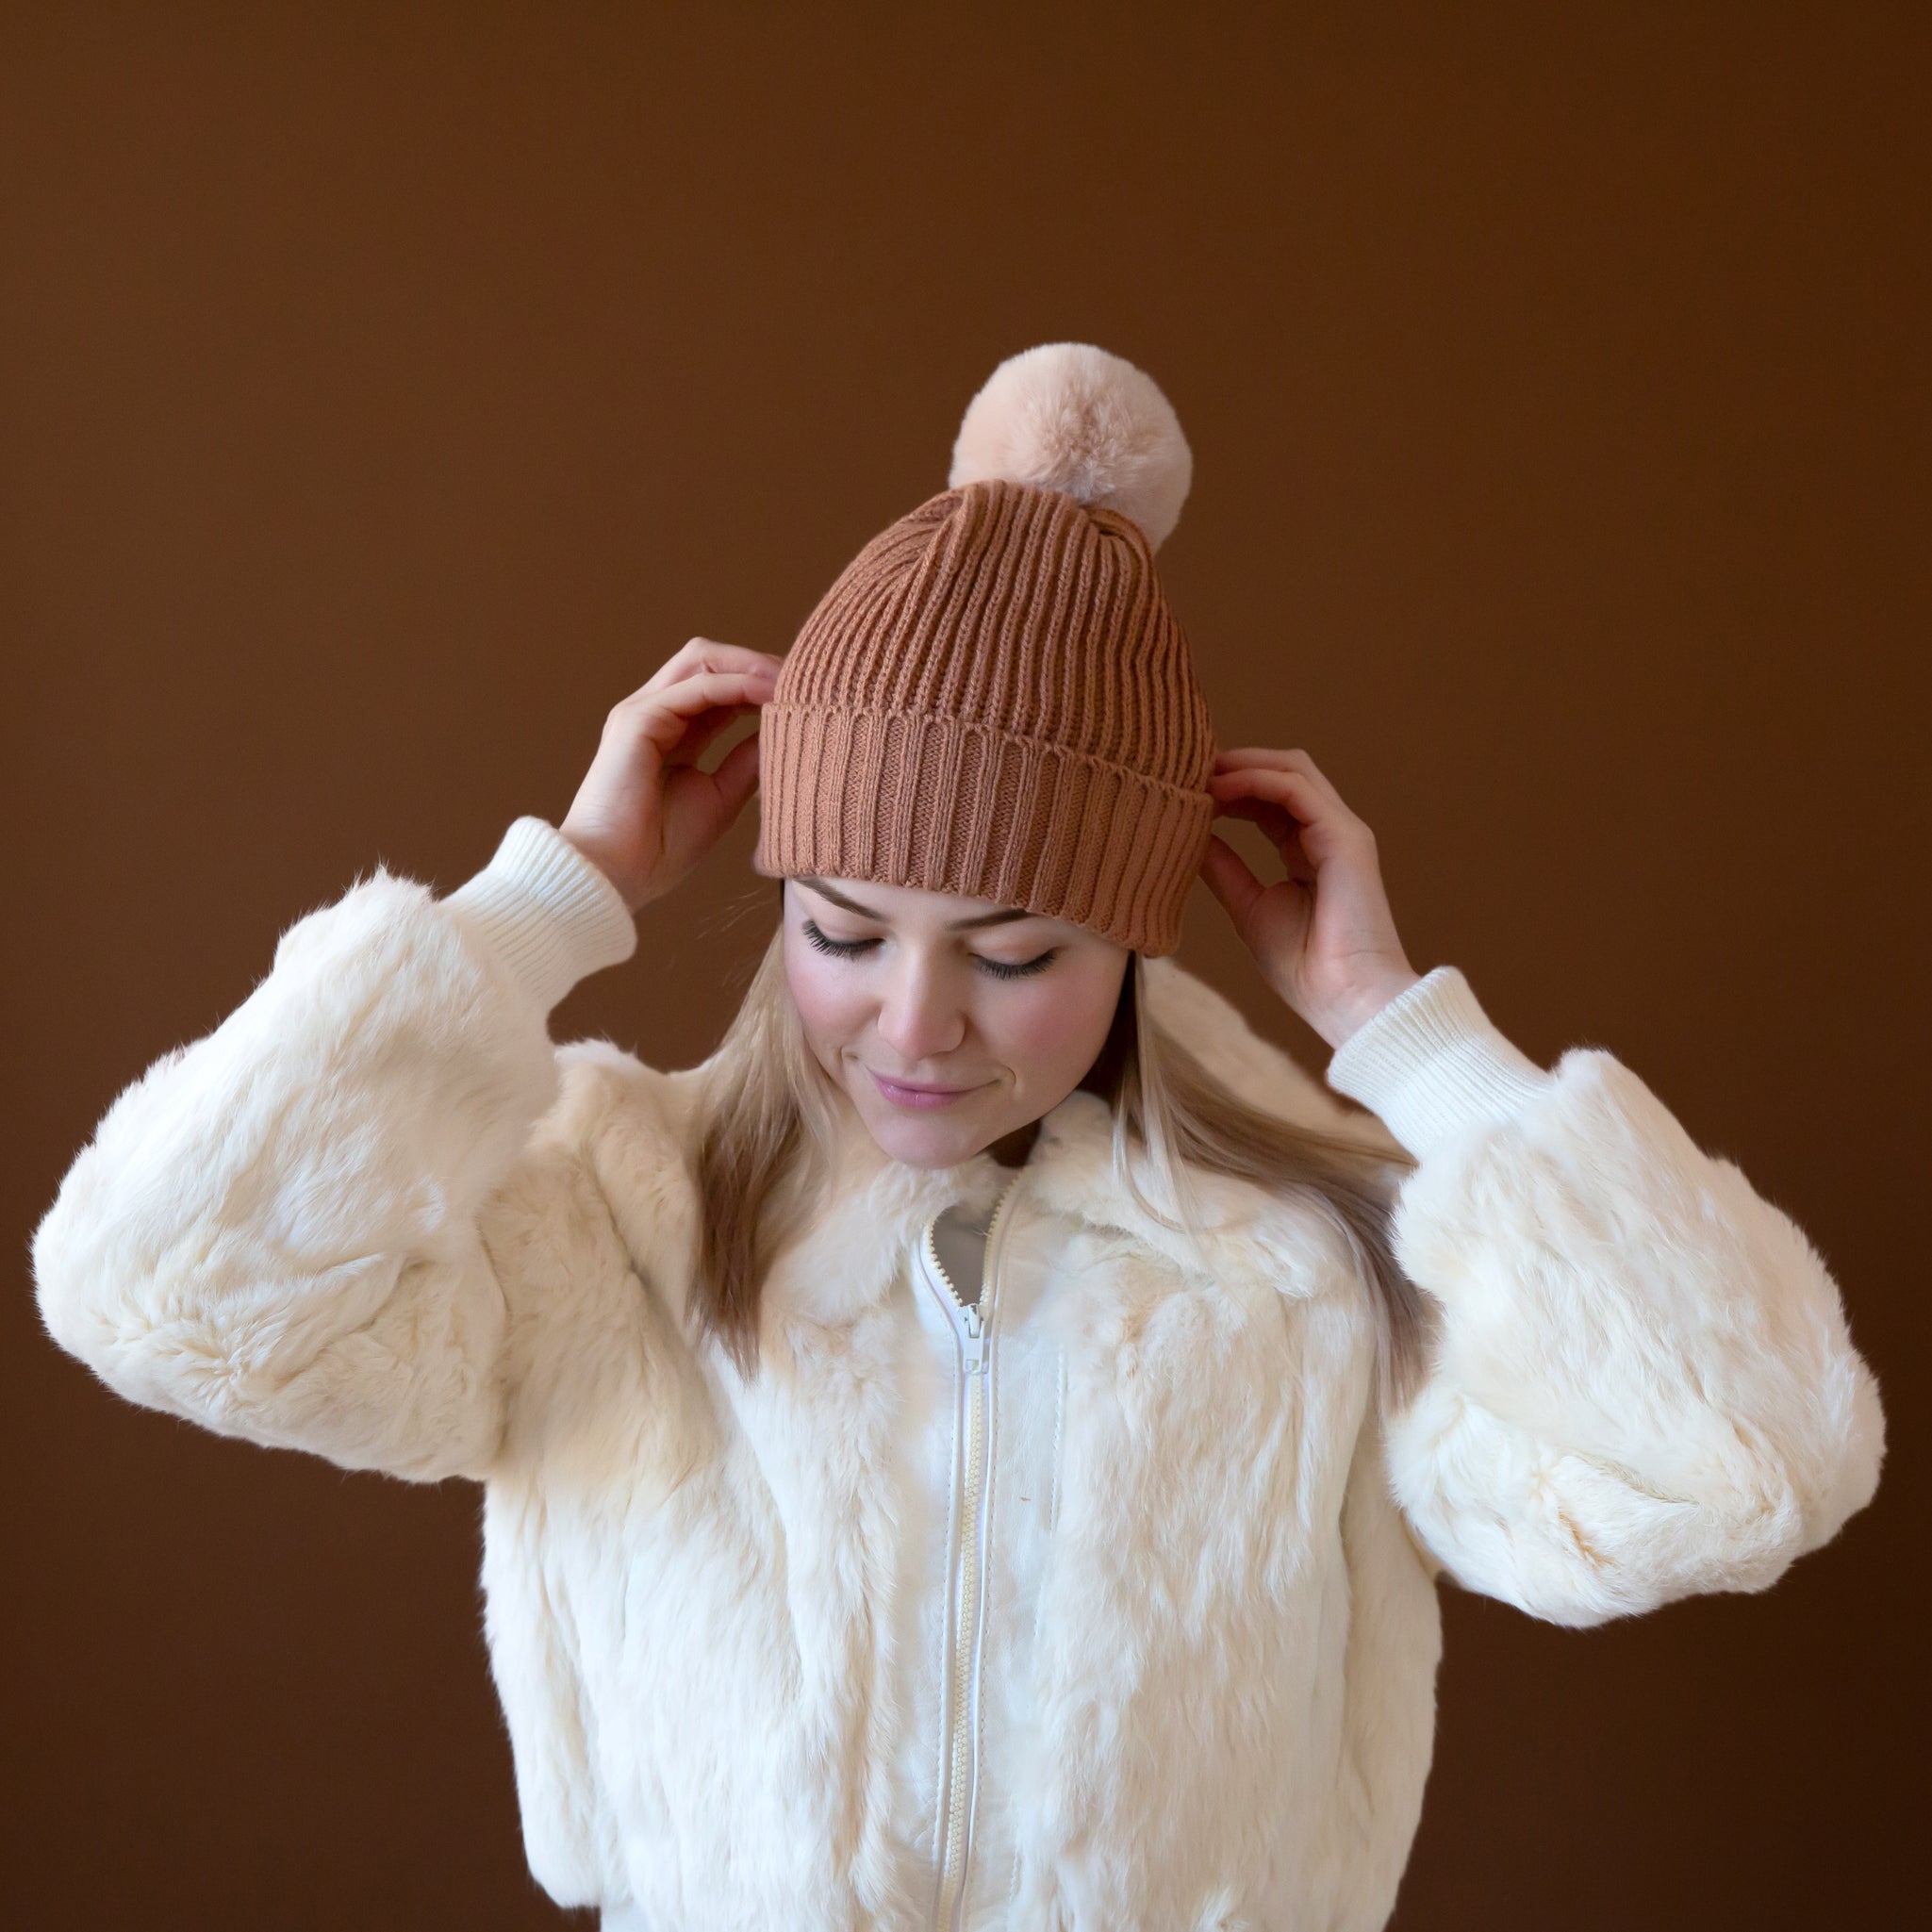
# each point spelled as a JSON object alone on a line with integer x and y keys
{"x": 947, "y": 804}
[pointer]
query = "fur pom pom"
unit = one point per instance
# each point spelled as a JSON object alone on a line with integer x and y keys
{"x": 1067, "y": 416}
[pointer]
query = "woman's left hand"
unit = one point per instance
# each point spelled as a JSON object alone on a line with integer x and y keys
{"x": 1324, "y": 936}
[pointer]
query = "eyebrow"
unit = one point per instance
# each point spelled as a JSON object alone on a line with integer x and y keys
{"x": 976, "y": 923}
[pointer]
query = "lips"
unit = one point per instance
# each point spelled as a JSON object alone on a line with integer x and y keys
{"x": 918, "y": 1096}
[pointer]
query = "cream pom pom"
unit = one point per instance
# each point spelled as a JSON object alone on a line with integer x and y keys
{"x": 1067, "y": 416}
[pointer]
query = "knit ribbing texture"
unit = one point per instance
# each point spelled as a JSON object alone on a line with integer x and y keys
{"x": 994, "y": 700}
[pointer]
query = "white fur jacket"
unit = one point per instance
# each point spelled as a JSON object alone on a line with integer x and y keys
{"x": 377, "y": 1215}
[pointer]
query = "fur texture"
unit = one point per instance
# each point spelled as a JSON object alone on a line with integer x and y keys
{"x": 1070, "y": 416}
{"x": 377, "y": 1216}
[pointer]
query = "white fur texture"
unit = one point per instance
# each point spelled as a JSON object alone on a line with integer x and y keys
{"x": 376, "y": 1215}
{"x": 1070, "y": 416}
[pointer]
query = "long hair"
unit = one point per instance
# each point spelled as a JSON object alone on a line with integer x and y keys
{"x": 767, "y": 1133}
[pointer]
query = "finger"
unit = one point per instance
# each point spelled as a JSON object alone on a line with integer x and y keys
{"x": 1269, "y": 758}
{"x": 1293, "y": 791}
{"x": 1297, "y": 791}
{"x": 1276, "y": 820}
{"x": 707, "y": 654}
{"x": 736, "y": 778}
{"x": 1327, "y": 829}
{"x": 1282, "y": 831}
{"x": 663, "y": 717}
{"x": 705, "y": 688}
{"x": 759, "y": 678}
{"x": 1226, "y": 874}
{"x": 704, "y": 730}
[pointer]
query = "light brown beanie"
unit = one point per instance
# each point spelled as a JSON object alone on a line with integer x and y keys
{"x": 994, "y": 699}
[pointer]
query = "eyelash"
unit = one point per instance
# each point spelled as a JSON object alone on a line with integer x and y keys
{"x": 999, "y": 968}
{"x": 1024, "y": 970}
{"x": 838, "y": 949}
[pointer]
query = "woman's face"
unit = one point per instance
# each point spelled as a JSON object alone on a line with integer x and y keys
{"x": 949, "y": 1023}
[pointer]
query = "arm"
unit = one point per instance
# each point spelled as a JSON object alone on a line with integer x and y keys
{"x": 1642, "y": 1385}
{"x": 274, "y": 1232}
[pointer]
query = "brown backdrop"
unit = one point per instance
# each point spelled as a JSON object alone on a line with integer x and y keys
{"x": 384, "y": 394}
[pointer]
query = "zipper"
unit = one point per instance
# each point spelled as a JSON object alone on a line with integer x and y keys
{"x": 960, "y": 1730}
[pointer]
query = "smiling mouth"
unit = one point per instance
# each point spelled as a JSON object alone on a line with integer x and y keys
{"x": 917, "y": 1095}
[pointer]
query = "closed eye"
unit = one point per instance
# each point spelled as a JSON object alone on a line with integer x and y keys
{"x": 1002, "y": 969}
{"x": 838, "y": 949}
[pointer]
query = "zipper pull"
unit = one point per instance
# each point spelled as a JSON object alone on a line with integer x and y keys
{"x": 975, "y": 1339}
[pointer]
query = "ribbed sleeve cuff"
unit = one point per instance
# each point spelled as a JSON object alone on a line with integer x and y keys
{"x": 1431, "y": 1063}
{"x": 548, "y": 913}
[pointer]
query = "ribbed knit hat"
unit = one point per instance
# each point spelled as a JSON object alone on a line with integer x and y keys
{"x": 994, "y": 699}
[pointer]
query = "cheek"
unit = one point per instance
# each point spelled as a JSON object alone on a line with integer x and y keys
{"x": 827, "y": 993}
{"x": 1050, "y": 1034}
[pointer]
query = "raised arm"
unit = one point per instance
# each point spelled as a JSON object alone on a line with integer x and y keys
{"x": 1642, "y": 1385}
{"x": 274, "y": 1231}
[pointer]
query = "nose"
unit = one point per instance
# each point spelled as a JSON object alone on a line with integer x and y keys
{"x": 920, "y": 1016}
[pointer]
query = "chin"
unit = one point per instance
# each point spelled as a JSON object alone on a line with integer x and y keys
{"x": 926, "y": 1143}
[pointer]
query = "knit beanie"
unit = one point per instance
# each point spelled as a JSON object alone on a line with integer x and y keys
{"x": 994, "y": 699}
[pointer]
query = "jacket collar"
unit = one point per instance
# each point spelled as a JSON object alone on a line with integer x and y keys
{"x": 876, "y": 1208}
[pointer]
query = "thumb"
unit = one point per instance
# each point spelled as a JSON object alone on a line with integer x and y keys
{"x": 736, "y": 779}
{"x": 1226, "y": 874}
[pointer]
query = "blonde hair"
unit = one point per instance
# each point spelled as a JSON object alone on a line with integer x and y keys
{"x": 766, "y": 1134}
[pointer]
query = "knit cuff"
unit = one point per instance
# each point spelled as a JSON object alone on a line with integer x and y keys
{"x": 550, "y": 914}
{"x": 1432, "y": 1064}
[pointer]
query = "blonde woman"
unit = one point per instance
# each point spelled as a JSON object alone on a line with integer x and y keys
{"x": 979, "y": 1450}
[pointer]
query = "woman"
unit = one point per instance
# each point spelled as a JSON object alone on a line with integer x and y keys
{"x": 977, "y": 1451}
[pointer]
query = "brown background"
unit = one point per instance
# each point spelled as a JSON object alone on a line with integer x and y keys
{"x": 386, "y": 391}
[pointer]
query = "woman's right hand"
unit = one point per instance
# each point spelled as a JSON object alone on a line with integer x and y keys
{"x": 645, "y": 814}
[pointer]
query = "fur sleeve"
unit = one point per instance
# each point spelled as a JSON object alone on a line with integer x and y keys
{"x": 274, "y": 1231}
{"x": 1642, "y": 1385}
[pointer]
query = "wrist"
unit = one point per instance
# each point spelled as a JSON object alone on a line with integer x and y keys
{"x": 596, "y": 852}
{"x": 1432, "y": 1065}
{"x": 547, "y": 910}
{"x": 1348, "y": 1015}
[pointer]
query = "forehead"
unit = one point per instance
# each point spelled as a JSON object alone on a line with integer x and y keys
{"x": 910, "y": 905}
